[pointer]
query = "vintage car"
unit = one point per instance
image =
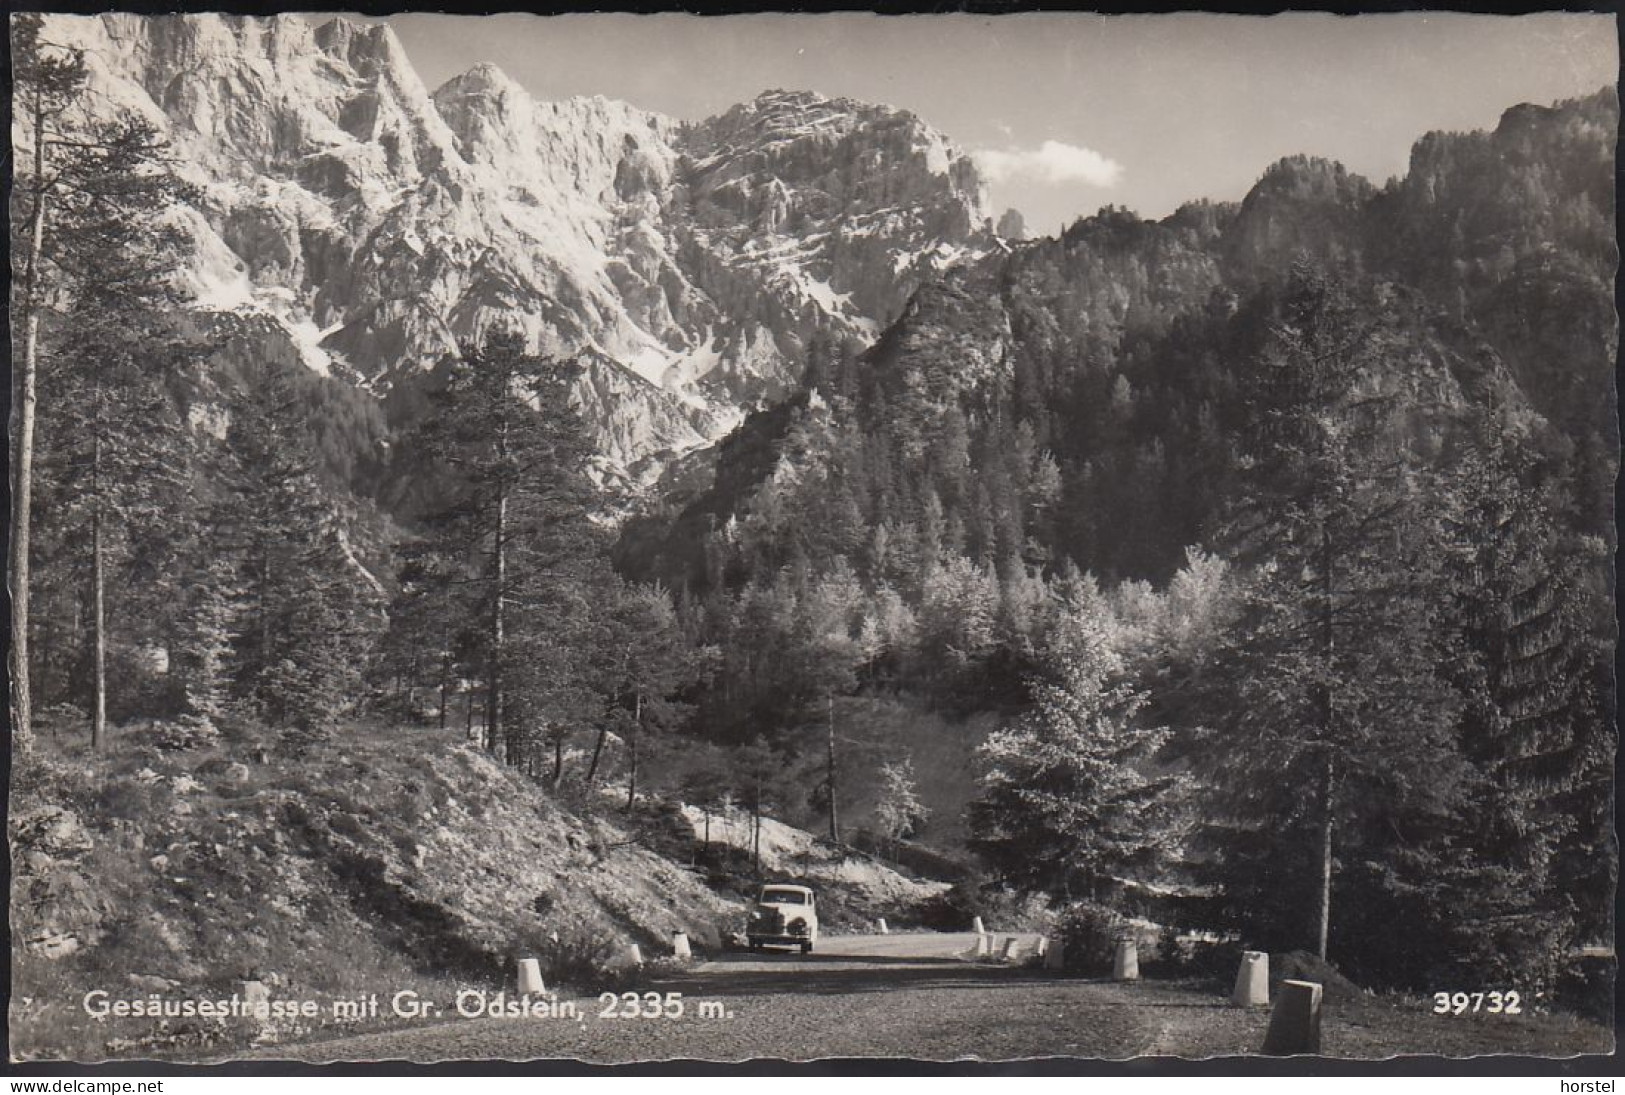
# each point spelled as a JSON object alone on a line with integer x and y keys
{"x": 785, "y": 915}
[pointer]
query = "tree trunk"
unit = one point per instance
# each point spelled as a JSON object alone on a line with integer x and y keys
{"x": 597, "y": 752}
{"x": 1328, "y": 714}
{"x": 834, "y": 814}
{"x": 1324, "y": 927}
{"x": 632, "y": 779}
{"x": 22, "y": 468}
{"x": 558, "y": 759}
{"x": 444, "y": 674}
{"x": 756, "y": 842}
{"x": 493, "y": 696}
{"x": 264, "y": 607}
{"x": 98, "y": 611}
{"x": 637, "y": 725}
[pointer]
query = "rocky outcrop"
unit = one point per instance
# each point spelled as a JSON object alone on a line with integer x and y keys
{"x": 379, "y": 223}
{"x": 56, "y": 906}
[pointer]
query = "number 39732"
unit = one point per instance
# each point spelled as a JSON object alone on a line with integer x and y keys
{"x": 1490, "y": 1003}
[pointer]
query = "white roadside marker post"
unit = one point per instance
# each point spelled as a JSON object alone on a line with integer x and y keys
{"x": 255, "y": 996}
{"x": 1126, "y": 964}
{"x": 680, "y": 947}
{"x": 634, "y": 955}
{"x": 881, "y": 925}
{"x": 1252, "y": 980}
{"x": 530, "y": 978}
{"x": 1295, "y": 1020}
{"x": 1009, "y": 952}
{"x": 976, "y": 926}
{"x": 1055, "y": 955}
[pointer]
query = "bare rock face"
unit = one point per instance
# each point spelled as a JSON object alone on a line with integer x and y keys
{"x": 1012, "y": 226}
{"x": 379, "y": 224}
{"x": 56, "y": 906}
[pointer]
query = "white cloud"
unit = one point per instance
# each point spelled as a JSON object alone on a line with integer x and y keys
{"x": 1050, "y": 162}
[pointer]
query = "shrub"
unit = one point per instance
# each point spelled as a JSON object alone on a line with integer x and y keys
{"x": 971, "y": 897}
{"x": 661, "y": 826}
{"x": 298, "y": 740}
{"x": 581, "y": 958}
{"x": 1217, "y": 961}
{"x": 186, "y": 732}
{"x": 727, "y": 869}
{"x": 1091, "y": 933}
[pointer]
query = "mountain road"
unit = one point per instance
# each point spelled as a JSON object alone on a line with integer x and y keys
{"x": 918, "y": 995}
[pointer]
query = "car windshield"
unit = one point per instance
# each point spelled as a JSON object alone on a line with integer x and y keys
{"x": 783, "y": 897}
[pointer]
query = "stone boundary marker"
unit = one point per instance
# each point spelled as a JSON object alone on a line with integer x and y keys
{"x": 1055, "y": 955}
{"x": 881, "y": 926}
{"x": 634, "y": 955}
{"x": 1009, "y": 951}
{"x": 1252, "y": 980}
{"x": 1295, "y": 1020}
{"x": 530, "y": 977}
{"x": 977, "y": 927}
{"x": 680, "y": 947}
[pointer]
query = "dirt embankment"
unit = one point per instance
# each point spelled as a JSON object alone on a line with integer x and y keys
{"x": 386, "y": 860}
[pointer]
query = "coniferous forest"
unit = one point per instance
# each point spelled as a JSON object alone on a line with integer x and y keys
{"x": 1251, "y": 569}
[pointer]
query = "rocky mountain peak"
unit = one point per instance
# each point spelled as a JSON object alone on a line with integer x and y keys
{"x": 368, "y": 48}
{"x": 485, "y": 81}
{"x": 380, "y": 225}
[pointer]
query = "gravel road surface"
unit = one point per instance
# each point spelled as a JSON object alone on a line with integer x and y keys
{"x": 924, "y": 996}
{"x": 907, "y": 995}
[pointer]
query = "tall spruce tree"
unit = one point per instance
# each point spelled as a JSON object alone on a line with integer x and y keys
{"x": 114, "y": 453}
{"x": 1529, "y": 678}
{"x": 309, "y": 615}
{"x": 646, "y": 662}
{"x": 517, "y": 532}
{"x": 87, "y": 198}
{"x": 1328, "y": 721}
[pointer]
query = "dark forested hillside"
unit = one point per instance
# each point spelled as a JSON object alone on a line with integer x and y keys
{"x": 1117, "y": 348}
{"x": 1256, "y": 441}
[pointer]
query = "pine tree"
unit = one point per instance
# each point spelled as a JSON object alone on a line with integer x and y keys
{"x": 758, "y": 771}
{"x": 308, "y": 617}
{"x": 1069, "y": 803}
{"x": 1528, "y": 677}
{"x": 88, "y": 199}
{"x": 517, "y": 534}
{"x": 113, "y": 452}
{"x": 828, "y": 654}
{"x": 200, "y": 649}
{"x": 646, "y": 662}
{"x": 1328, "y": 719}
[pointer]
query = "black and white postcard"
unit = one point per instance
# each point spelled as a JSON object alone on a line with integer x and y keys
{"x": 624, "y": 538}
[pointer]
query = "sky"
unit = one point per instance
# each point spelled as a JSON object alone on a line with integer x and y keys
{"x": 1068, "y": 112}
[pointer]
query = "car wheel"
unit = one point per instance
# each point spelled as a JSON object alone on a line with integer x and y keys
{"x": 755, "y": 945}
{"x": 806, "y": 948}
